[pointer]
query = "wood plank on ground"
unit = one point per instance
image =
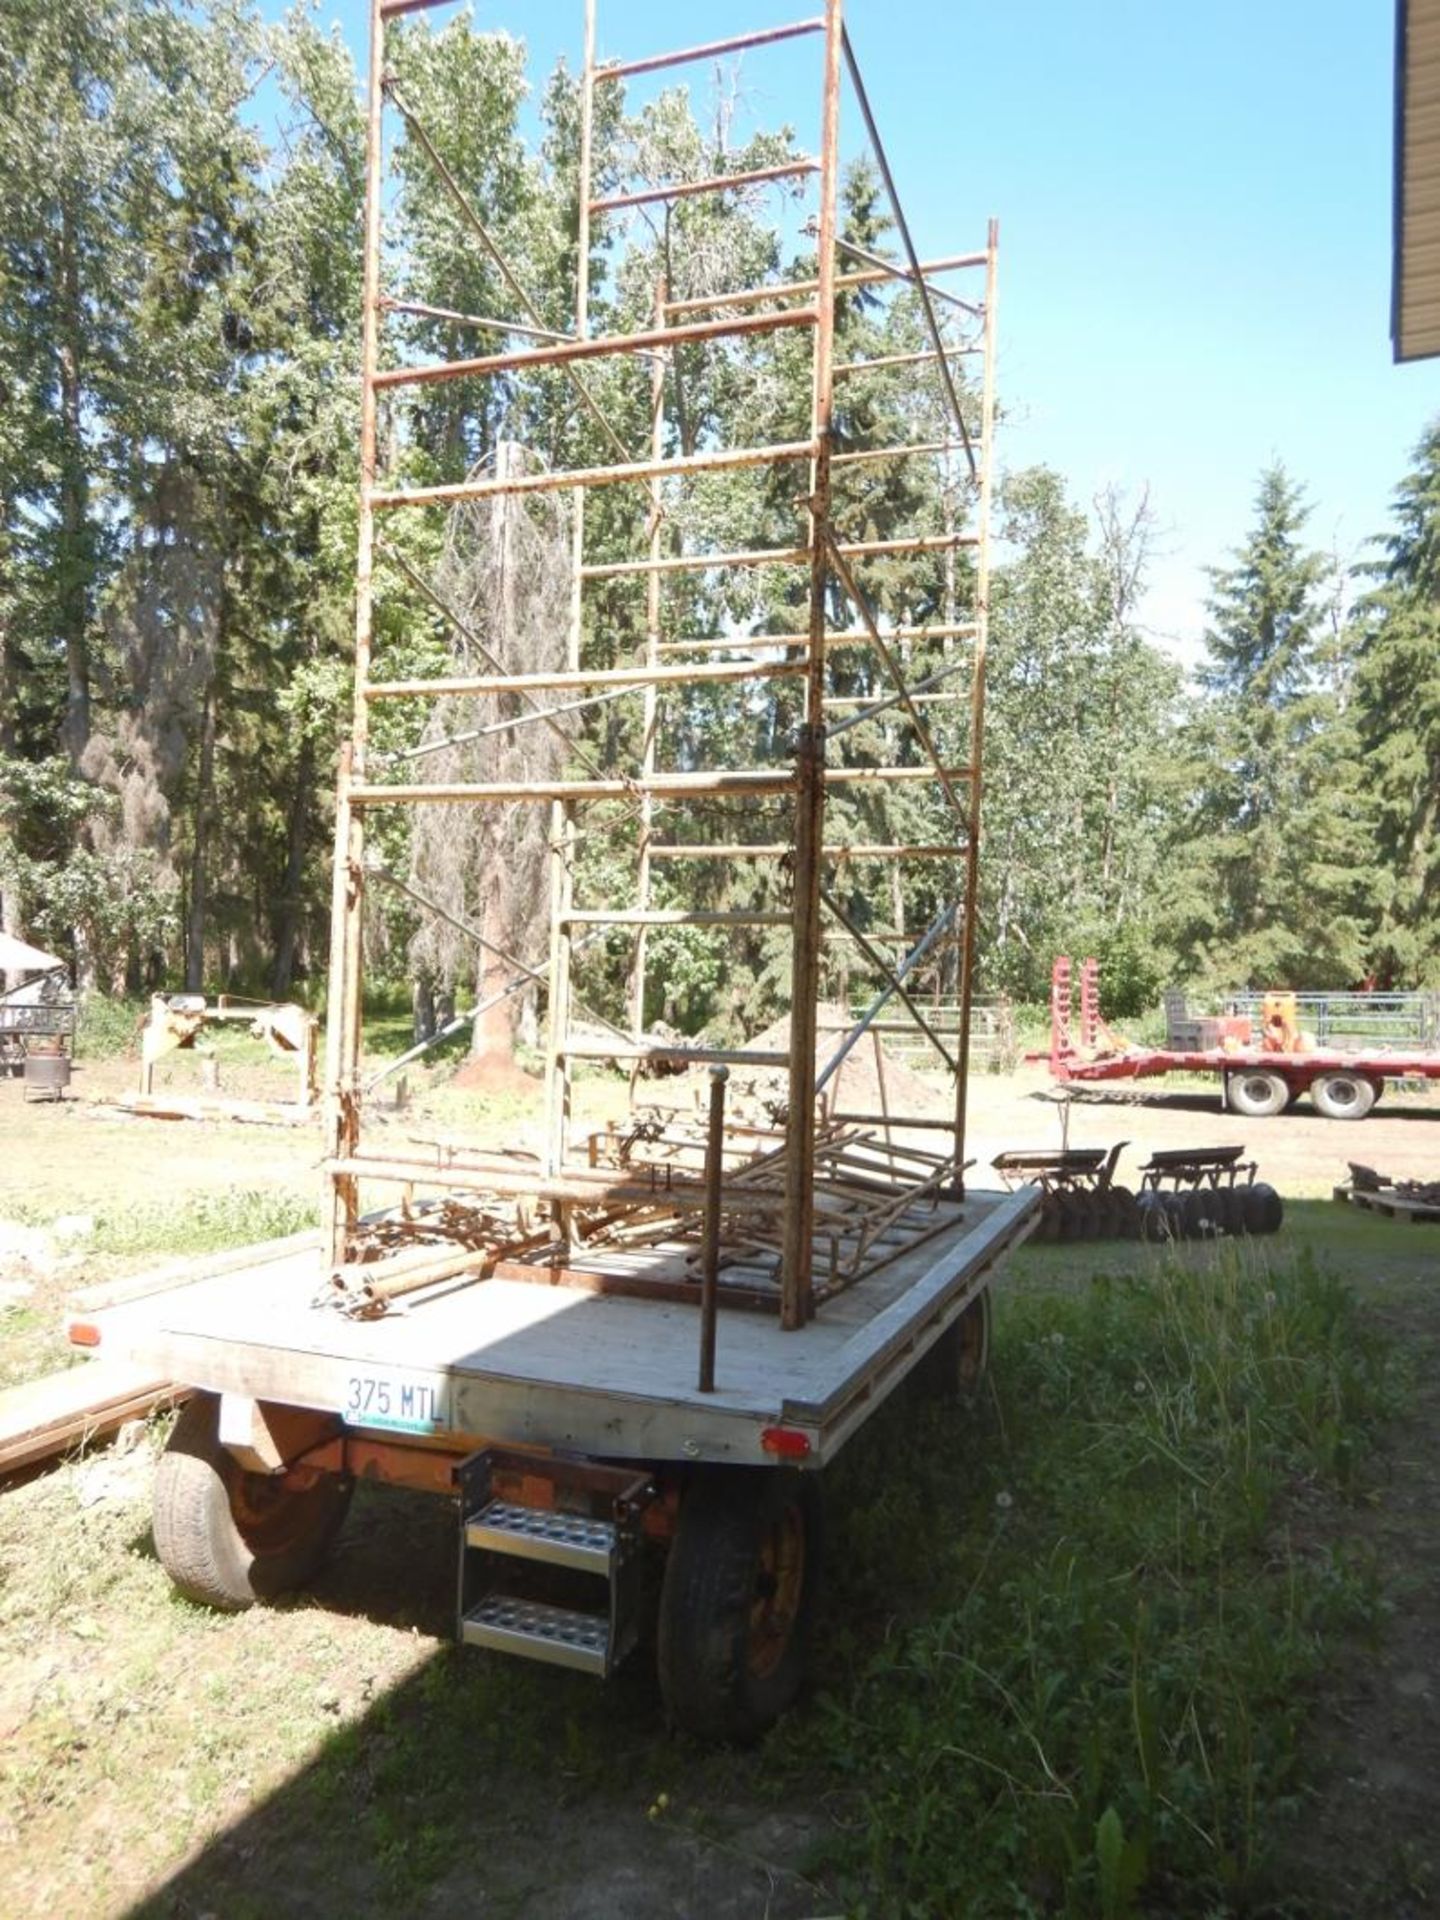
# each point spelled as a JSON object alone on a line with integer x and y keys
{"x": 43, "y": 1418}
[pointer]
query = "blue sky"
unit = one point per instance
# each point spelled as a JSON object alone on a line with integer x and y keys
{"x": 1195, "y": 231}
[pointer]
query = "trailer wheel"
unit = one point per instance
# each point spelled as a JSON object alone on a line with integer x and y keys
{"x": 228, "y": 1537}
{"x": 1257, "y": 1094}
{"x": 1343, "y": 1096}
{"x": 953, "y": 1368}
{"x": 738, "y": 1601}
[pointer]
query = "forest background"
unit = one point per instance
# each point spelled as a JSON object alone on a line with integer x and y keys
{"x": 179, "y": 345}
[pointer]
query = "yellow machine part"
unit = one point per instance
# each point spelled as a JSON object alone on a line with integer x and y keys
{"x": 1280, "y": 1024}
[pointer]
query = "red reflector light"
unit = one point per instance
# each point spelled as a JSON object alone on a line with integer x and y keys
{"x": 83, "y": 1333}
{"x": 788, "y": 1442}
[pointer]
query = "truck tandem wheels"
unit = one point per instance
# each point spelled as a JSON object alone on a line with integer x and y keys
{"x": 1344, "y": 1096}
{"x": 1259, "y": 1092}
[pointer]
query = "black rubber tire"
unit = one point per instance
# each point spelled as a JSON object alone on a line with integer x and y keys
{"x": 1078, "y": 1221}
{"x": 1164, "y": 1216}
{"x": 1228, "y": 1214}
{"x": 1192, "y": 1216}
{"x": 953, "y": 1368}
{"x": 727, "y": 1671}
{"x": 1048, "y": 1227}
{"x": 1086, "y": 1203}
{"x": 1264, "y": 1210}
{"x": 228, "y": 1538}
{"x": 1343, "y": 1096}
{"x": 1256, "y": 1094}
{"x": 1151, "y": 1206}
{"x": 1125, "y": 1212}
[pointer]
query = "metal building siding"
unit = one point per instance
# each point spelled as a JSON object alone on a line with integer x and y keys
{"x": 1415, "y": 308}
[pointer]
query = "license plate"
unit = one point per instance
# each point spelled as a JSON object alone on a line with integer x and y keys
{"x": 406, "y": 1402}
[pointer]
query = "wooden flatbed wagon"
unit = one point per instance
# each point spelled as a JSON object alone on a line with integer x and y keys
{"x": 533, "y": 1363}
{"x": 569, "y": 1427}
{"x": 653, "y": 1342}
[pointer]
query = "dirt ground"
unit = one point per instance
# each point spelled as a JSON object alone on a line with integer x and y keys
{"x": 135, "y": 1783}
{"x": 1298, "y": 1152}
{"x": 87, "y": 1152}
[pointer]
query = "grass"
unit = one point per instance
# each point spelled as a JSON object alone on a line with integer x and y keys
{"x": 1072, "y": 1636}
{"x": 1069, "y": 1640}
{"x": 32, "y": 1336}
{"x": 1381, "y": 1256}
{"x": 204, "y": 1222}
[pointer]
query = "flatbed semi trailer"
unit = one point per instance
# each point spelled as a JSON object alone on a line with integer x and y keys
{"x": 568, "y": 1428}
{"x": 1341, "y": 1085}
{"x": 1256, "y": 1079}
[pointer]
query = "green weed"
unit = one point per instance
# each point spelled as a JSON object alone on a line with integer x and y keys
{"x": 204, "y": 1223}
{"x": 108, "y": 1028}
{"x": 1070, "y": 1636}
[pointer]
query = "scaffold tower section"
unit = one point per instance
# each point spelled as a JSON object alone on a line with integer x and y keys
{"x": 812, "y": 1201}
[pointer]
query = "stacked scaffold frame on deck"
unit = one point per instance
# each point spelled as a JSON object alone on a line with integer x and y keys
{"x": 825, "y": 1197}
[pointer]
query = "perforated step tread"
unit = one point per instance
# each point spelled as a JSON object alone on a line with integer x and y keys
{"x": 558, "y": 1635}
{"x": 542, "y": 1533}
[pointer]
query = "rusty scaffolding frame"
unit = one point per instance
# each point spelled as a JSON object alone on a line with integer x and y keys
{"x": 833, "y": 564}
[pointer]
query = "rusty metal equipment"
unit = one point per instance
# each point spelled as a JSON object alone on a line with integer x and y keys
{"x": 1081, "y": 1200}
{"x": 573, "y": 1428}
{"x": 820, "y": 1201}
{"x": 176, "y": 1021}
{"x": 1186, "y": 1193}
{"x": 47, "y": 1069}
{"x": 1411, "y": 1200}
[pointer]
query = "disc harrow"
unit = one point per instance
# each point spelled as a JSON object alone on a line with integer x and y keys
{"x": 1199, "y": 1193}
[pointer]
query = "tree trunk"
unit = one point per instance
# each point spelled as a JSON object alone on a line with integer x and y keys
{"x": 493, "y": 1034}
{"x": 422, "y": 1010}
{"x": 74, "y": 569}
{"x": 12, "y": 908}
{"x": 9, "y": 675}
{"x": 199, "y": 875}
{"x": 287, "y": 928}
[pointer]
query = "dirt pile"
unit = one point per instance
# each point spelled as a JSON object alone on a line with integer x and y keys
{"x": 870, "y": 1079}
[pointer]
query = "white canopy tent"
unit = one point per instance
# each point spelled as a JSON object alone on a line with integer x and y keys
{"x": 16, "y": 956}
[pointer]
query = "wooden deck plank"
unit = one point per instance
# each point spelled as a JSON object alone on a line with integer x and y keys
{"x": 519, "y": 1361}
{"x": 42, "y": 1418}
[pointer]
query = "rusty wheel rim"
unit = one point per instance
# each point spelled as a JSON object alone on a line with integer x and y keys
{"x": 779, "y": 1584}
{"x": 273, "y": 1514}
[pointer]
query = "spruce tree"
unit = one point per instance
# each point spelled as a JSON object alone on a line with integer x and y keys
{"x": 1397, "y": 686}
{"x": 1276, "y": 881}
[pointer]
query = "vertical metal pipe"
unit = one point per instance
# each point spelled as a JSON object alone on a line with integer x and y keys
{"x": 977, "y": 699}
{"x": 796, "y": 1257}
{"x": 343, "y": 1013}
{"x": 562, "y": 813}
{"x": 710, "y": 1243}
{"x": 651, "y": 717}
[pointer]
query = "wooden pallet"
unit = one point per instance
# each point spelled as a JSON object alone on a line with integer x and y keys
{"x": 1395, "y": 1206}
